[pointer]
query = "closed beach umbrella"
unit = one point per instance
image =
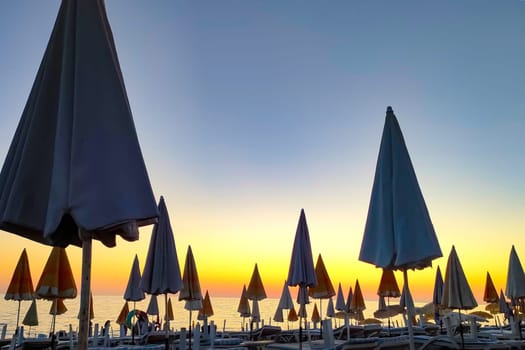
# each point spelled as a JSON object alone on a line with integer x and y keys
{"x": 206, "y": 310}
{"x": 340, "y": 304}
{"x": 244, "y": 306}
{"x": 75, "y": 164}
{"x": 330, "y": 309}
{"x": 437, "y": 294}
{"x": 153, "y": 306}
{"x": 121, "y": 318}
{"x": 285, "y": 301}
{"x": 358, "y": 301}
{"x": 278, "y": 316}
{"x": 406, "y": 303}
{"x": 324, "y": 288}
{"x": 256, "y": 313}
{"x": 255, "y": 289}
{"x": 292, "y": 315}
{"x": 316, "y": 317}
{"x": 490, "y": 294}
{"x": 388, "y": 288}
{"x": 57, "y": 307}
{"x": 191, "y": 288}
{"x": 399, "y": 234}
{"x": 515, "y": 287}
{"x": 302, "y": 272}
{"x": 169, "y": 311}
{"x": 31, "y": 317}
{"x": 161, "y": 274}
{"x": 21, "y": 285}
{"x": 133, "y": 291}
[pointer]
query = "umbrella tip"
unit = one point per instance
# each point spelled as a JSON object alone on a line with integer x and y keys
{"x": 389, "y": 109}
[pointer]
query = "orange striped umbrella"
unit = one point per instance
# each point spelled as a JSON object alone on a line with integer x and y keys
{"x": 57, "y": 279}
{"x": 255, "y": 289}
{"x": 121, "y": 319}
{"x": 21, "y": 285}
{"x": 57, "y": 307}
{"x": 206, "y": 310}
{"x": 388, "y": 285}
{"x": 324, "y": 288}
{"x": 358, "y": 302}
{"x": 191, "y": 288}
{"x": 490, "y": 295}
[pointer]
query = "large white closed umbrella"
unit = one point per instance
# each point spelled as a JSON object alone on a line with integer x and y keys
{"x": 399, "y": 234}
{"x": 74, "y": 170}
{"x": 302, "y": 272}
{"x": 161, "y": 273}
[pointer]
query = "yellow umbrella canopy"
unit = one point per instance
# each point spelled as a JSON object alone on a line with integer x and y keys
{"x": 255, "y": 289}
{"x": 191, "y": 288}
{"x": 490, "y": 294}
{"x": 388, "y": 285}
{"x": 57, "y": 279}
{"x": 244, "y": 305}
{"x": 57, "y": 307}
{"x": 316, "y": 317}
{"x": 292, "y": 315}
{"x": 324, "y": 288}
{"x": 121, "y": 319}
{"x": 31, "y": 317}
{"x": 358, "y": 302}
{"x": 21, "y": 285}
{"x": 206, "y": 310}
{"x": 171, "y": 317}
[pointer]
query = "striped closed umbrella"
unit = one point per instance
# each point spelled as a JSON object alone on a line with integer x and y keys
{"x": 206, "y": 310}
{"x": 21, "y": 285}
{"x": 191, "y": 287}
{"x": 490, "y": 293}
{"x": 121, "y": 318}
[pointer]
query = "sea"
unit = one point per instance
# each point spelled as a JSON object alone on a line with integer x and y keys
{"x": 108, "y": 307}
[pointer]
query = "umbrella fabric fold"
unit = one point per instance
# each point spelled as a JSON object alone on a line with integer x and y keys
{"x": 278, "y": 316}
{"x": 437, "y": 294}
{"x": 255, "y": 289}
{"x": 21, "y": 285}
{"x": 457, "y": 293}
{"x": 324, "y": 288}
{"x": 58, "y": 307}
{"x": 388, "y": 287}
{"x": 490, "y": 294}
{"x": 340, "y": 304}
{"x": 206, "y": 310}
{"x": 358, "y": 302}
{"x": 75, "y": 160}
{"x": 191, "y": 288}
{"x": 121, "y": 318}
{"x": 515, "y": 287}
{"x": 398, "y": 232}
{"x": 244, "y": 305}
{"x": 133, "y": 291}
{"x": 330, "y": 309}
{"x": 31, "y": 317}
{"x": 57, "y": 279}
{"x": 285, "y": 301}
{"x": 153, "y": 306}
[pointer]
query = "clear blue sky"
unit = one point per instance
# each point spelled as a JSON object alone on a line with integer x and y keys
{"x": 249, "y": 110}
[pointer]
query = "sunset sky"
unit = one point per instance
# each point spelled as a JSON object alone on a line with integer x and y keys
{"x": 248, "y": 111}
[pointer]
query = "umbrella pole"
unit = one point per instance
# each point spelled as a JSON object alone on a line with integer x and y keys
{"x": 409, "y": 313}
{"x": 18, "y": 314}
{"x": 388, "y": 307}
{"x": 85, "y": 290}
{"x": 189, "y": 328}
{"x": 300, "y": 333}
{"x": 461, "y": 330}
{"x": 167, "y": 321}
{"x": 321, "y": 312}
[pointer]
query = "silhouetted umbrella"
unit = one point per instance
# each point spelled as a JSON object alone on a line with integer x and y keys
{"x": 278, "y": 316}
{"x": 191, "y": 288}
{"x": 255, "y": 292}
{"x": 161, "y": 273}
{"x": 292, "y": 315}
{"x": 388, "y": 288}
{"x": 31, "y": 317}
{"x": 21, "y": 285}
{"x": 244, "y": 306}
{"x": 153, "y": 306}
{"x": 457, "y": 293}
{"x": 490, "y": 294}
{"x": 515, "y": 287}
{"x": 316, "y": 317}
{"x": 437, "y": 294}
{"x": 340, "y": 304}
{"x": 56, "y": 281}
{"x": 285, "y": 301}
{"x": 324, "y": 288}
{"x": 206, "y": 310}
{"x": 330, "y": 309}
{"x": 57, "y": 308}
{"x": 256, "y": 314}
{"x": 169, "y": 312}
{"x": 74, "y": 170}
{"x": 398, "y": 233}
{"x": 301, "y": 272}
{"x": 358, "y": 302}
{"x": 121, "y": 318}
{"x": 133, "y": 291}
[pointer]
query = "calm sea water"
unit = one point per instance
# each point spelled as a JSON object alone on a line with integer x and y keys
{"x": 108, "y": 307}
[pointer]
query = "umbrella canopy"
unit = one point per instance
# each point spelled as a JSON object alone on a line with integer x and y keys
{"x": 161, "y": 273}
{"x": 324, "y": 288}
{"x": 206, "y": 310}
{"x": 381, "y": 304}
{"x": 330, "y": 309}
{"x": 121, "y": 318}
{"x": 316, "y": 317}
{"x": 438, "y": 288}
{"x": 301, "y": 272}
{"x": 515, "y": 277}
{"x": 358, "y": 302}
{"x": 398, "y": 233}
{"x": 21, "y": 285}
{"x": 169, "y": 311}
{"x": 340, "y": 304}
{"x": 292, "y": 315}
{"x": 278, "y": 316}
{"x": 244, "y": 305}
{"x": 75, "y": 161}
{"x": 133, "y": 291}
{"x": 490, "y": 294}
{"x": 457, "y": 293}
{"x": 285, "y": 301}
{"x": 255, "y": 289}
{"x": 31, "y": 317}
{"x": 191, "y": 288}
{"x": 349, "y": 298}
{"x": 302, "y": 311}
{"x": 153, "y": 306}
{"x": 388, "y": 285}
{"x": 57, "y": 279}
{"x": 57, "y": 307}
